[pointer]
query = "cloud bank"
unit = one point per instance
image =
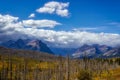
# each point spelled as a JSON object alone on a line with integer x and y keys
{"x": 12, "y": 28}
{"x": 54, "y": 7}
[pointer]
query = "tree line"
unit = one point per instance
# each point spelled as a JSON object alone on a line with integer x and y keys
{"x": 63, "y": 68}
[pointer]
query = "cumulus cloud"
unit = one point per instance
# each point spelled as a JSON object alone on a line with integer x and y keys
{"x": 54, "y": 7}
{"x": 12, "y": 28}
{"x": 9, "y": 26}
{"x": 32, "y": 15}
{"x": 40, "y": 23}
{"x": 9, "y": 23}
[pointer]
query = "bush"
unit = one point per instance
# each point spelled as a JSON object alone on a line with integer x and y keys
{"x": 84, "y": 75}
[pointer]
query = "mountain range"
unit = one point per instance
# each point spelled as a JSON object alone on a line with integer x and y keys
{"x": 96, "y": 50}
{"x": 34, "y": 45}
{"x": 92, "y": 51}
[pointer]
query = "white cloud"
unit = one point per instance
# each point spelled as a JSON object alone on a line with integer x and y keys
{"x": 31, "y": 15}
{"x": 7, "y": 18}
{"x": 11, "y": 28}
{"x": 54, "y": 7}
{"x": 40, "y": 23}
{"x": 46, "y": 10}
{"x": 62, "y": 12}
{"x": 73, "y": 38}
{"x": 85, "y": 29}
{"x": 8, "y": 22}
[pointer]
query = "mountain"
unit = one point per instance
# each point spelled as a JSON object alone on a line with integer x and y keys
{"x": 63, "y": 51}
{"x": 96, "y": 50}
{"x": 115, "y": 52}
{"x": 91, "y": 51}
{"x": 42, "y": 56}
{"x": 35, "y": 45}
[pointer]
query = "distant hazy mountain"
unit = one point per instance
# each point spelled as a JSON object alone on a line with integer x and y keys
{"x": 35, "y": 45}
{"x": 96, "y": 51}
{"x": 63, "y": 51}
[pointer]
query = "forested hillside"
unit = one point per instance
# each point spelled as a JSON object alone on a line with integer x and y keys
{"x": 15, "y": 66}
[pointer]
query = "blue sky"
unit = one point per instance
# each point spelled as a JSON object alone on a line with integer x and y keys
{"x": 83, "y": 13}
{"x": 99, "y": 17}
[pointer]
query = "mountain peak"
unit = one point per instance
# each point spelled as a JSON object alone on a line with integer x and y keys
{"x": 33, "y": 43}
{"x": 95, "y": 50}
{"x": 36, "y": 45}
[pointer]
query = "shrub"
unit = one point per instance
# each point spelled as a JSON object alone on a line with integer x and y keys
{"x": 84, "y": 75}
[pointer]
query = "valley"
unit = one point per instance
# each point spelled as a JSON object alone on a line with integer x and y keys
{"x": 59, "y": 40}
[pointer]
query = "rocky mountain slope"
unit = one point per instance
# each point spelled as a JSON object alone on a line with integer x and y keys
{"x": 96, "y": 51}
{"x": 27, "y": 44}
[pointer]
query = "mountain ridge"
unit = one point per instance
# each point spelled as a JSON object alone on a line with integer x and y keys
{"x": 27, "y": 44}
{"x": 92, "y": 51}
{"x": 96, "y": 50}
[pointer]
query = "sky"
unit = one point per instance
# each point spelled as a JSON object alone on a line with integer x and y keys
{"x": 61, "y": 23}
